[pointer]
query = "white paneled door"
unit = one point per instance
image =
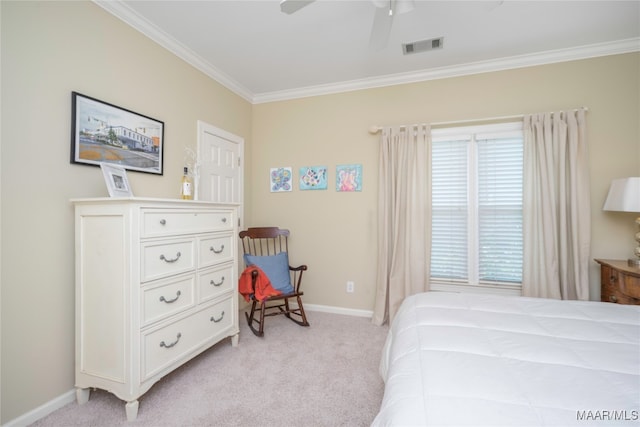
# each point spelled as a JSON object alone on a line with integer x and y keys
{"x": 220, "y": 155}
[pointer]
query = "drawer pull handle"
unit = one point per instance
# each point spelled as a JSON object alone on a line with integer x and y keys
{"x": 162, "y": 257}
{"x": 213, "y": 282}
{"x": 613, "y": 298}
{"x": 214, "y": 320}
{"x": 169, "y": 301}
{"x": 163, "y": 222}
{"x": 613, "y": 279}
{"x": 215, "y": 251}
{"x": 162, "y": 343}
{"x": 224, "y": 219}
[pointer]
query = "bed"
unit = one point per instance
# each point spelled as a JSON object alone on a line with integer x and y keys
{"x": 475, "y": 359}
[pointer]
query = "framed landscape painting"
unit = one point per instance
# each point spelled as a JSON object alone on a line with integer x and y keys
{"x": 104, "y": 133}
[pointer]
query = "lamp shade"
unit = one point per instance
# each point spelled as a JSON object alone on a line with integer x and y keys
{"x": 624, "y": 195}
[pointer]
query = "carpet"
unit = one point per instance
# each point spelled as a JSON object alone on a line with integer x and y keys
{"x": 322, "y": 375}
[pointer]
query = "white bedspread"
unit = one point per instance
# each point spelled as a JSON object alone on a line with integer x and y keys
{"x": 474, "y": 359}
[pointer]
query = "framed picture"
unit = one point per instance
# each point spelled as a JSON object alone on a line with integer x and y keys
{"x": 280, "y": 179}
{"x": 349, "y": 178}
{"x": 103, "y": 133}
{"x": 116, "y": 179}
{"x": 313, "y": 178}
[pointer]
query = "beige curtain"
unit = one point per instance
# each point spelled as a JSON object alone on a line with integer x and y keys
{"x": 404, "y": 226}
{"x": 556, "y": 209}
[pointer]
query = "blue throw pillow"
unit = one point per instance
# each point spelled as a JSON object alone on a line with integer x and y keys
{"x": 276, "y": 267}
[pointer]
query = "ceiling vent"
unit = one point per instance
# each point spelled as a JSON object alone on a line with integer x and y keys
{"x": 422, "y": 46}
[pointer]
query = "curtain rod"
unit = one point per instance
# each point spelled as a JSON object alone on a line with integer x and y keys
{"x": 375, "y": 128}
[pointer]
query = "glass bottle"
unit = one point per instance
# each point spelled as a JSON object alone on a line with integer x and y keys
{"x": 186, "y": 190}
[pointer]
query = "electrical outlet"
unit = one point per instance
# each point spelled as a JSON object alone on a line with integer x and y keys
{"x": 350, "y": 286}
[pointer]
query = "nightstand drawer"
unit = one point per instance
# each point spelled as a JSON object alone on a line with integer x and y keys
{"x": 608, "y": 276}
{"x": 630, "y": 286}
{"x": 620, "y": 283}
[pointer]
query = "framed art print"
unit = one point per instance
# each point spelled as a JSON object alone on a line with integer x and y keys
{"x": 104, "y": 133}
{"x": 280, "y": 179}
{"x": 313, "y": 178}
{"x": 349, "y": 178}
{"x": 116, "y": 179}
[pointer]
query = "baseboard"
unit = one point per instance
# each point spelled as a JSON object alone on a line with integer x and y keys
{"x": 338, "y": 310}
{"x": 327, "y": 309}
{"x": 43, "y": 410}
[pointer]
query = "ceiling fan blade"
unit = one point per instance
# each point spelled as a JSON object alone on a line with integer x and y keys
{"x": 291, "y": 6}
{"x": 383, "y": 20}
{"x": 398, "y": 6}
{"x": 381, "y": 29}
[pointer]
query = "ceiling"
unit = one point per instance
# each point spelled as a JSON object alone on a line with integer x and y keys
{"x": 262, "y": 54}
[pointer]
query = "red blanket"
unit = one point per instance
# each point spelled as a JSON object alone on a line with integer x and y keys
{"x": 263, "y": 288}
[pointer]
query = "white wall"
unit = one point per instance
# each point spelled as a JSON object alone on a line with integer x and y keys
{"x": 335, "y": 233}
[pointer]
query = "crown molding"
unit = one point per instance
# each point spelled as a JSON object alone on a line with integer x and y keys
{"x": 120, "y": 10}
{"x": 500, "y": 64}
{"x": 135, "y": 20}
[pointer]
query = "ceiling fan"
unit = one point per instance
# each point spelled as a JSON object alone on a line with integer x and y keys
{"x": 382, "y": 21}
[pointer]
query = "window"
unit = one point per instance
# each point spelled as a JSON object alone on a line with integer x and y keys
{"x": 477, "y": 208}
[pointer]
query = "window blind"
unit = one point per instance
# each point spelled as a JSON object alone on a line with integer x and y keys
{"x": 500, "y": 210}
{"x": 477, "y": 205}
{"x": 449, "y": 209}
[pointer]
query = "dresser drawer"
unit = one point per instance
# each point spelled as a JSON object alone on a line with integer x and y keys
{"x": 215, "y": 249}
{"x": 215, "y": 281}
{"x": 166, "y": 258}
{"x": 163, "y": 347}
{"x": 167, "y": 298}
{"x": 157, "y": 223}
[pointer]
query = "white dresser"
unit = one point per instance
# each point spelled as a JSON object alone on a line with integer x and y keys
{"x": 156, "y": 284}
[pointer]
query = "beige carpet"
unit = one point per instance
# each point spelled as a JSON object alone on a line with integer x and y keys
{"x": 323, "y": 375}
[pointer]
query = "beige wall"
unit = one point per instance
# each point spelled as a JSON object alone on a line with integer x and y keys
{"x": 335, "y": 233}
{"x": 48, "y": 50}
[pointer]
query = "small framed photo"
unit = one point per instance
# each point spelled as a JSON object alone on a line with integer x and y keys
{"x": 104, "y": 133}
{"x": 116, "y": 179}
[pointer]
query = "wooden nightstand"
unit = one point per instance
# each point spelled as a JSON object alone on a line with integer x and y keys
{"x": 620, "y": 282}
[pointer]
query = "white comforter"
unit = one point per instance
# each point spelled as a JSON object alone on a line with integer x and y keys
{"x": 470, "y": 359}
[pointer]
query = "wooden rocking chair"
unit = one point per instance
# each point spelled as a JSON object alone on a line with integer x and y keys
{"x": 266, "y": 247}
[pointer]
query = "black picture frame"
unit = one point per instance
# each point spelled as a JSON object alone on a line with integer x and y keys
{"x": 105, "y": 133}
